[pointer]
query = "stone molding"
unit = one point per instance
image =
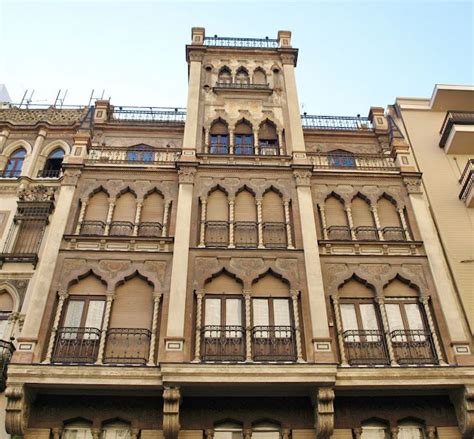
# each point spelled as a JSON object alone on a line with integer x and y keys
{"x": 186, "y": 175}
{"x": 463, "y": 401}
{"x": 17, "y": 410}
{"x": 171, "y": 402}
{"x": 324, "y": 413}
{"x": 302, "y": 177}
{"x": 413, "y": 184}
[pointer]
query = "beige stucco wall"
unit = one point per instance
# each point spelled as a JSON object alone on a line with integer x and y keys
{"x": 455, "y": 222}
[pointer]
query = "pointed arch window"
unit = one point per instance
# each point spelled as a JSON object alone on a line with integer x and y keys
{"x": 228, "y": 430}
{"x": 242, "y": 76}
{"x": 273, "y": 216}
{"x": 77, "y": 430}
{"x": 266, "y": 430}
{"x": 245, "y": 220}
{"x": 259, "y": 76}
{"x": 123, "y": 219}
{"x": 408, "y": 429}
{"x": 374, "y": 430}
{"x": 15, "y": 164}
{"x": 6, "y": 308}
{"x": 224, "y": 76}
{"x": 341, "y": 159}
{"x": 390, "y": 222}
{"x": 53, "y": 164}
{"x": 219, "y": 138}
{"x": 152, "y": 215}
{"x": 116, "y": 430}
{"x": 363, "y": 220}
{"x": 268, "y": 139}
{"x": 243, "y": 138}
{"x": 140, "y": 154}
{"x": 96, "y": 214}
{"x": 217, "y": 221}
{"x": 336, "y": 219}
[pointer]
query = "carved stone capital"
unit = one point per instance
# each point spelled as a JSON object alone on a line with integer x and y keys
{"x": 463, "y": 401}
{"x": 324, "y": 413}
{"x": 287, "y": 58}
{"x": 71, "y": 177}
{"x": 413, "y": 184}
{"x": 186, "y": 175}
{"x": 172, "y": 400}
{"x": 36, "y": 193}
{"x": 302, "y": 177}
{"x": 196, "y": 56}
{"x": 18, "y": 409}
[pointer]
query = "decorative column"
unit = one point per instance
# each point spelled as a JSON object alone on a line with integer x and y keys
{"x": 209, "y": 433}
{"x": 375, "y": 213}
{"x": 324, "y": 413}
{"x": 202, "y": 233}
{"x": 430, "y": 432}
{"x": 285, "y": 433}
{"x": 247, "y": 433}
{"x": 197, "y": 342}
{"x": 206, "y": 140}
{"x": 296, "y": 316}
{"x": 63, "y": 295}
{"x": 386, "y": 329}
{"x": 256, "y": 144}
{"x": 31, "y": 161}
{"x": 357, "y": 433}
{"x": 340, "y": 330}
{"x": 425, "y": 300}
{"x": 280, "y": 141}
{"x": 171, "y": 402}
{"x": 231, "y": 221}
{"x": 258, "y": 201}
{"x": 248, "y": 325}
{"x": 57, "y": 432}
{"x": 322, "y": 213}
{"x": 166, "y": 213}
{"x": 348, "y": 210}
{"x": 82, "y": 213}
{"x": 105, "y": 326}
{"x": 138, "y": 212}
{"x": 96, "y": 433}
{"x": 109, "y": 217}
{"x": 154, "y": 328}
{"x": 231, "y": 141}
{"x": 403, "y": 220}
{"x": 134, "y": 432}
{"x": 289, "y": 238}
{"x": 394, "y": 433}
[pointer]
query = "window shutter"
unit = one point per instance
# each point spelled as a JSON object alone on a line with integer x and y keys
{"x": 272, "y": 207}
{"x": 388, "y": 214}
{"x": 245, "y": 207}
{"x": 414, "y": 318}
{"x": 259, "y": 77}
{"x": 6, "y": 302}
{"x": 125, "y": 208}
{"x": 394, "y": 315}
{"x": 97, "y": 207}
{"x": 217, "y": 207}
{"x": 335, "y": 214}
{"x": 410, "y": 433}
{"x": 212, "y": 315}
{"x": 281, "y": 312}
{"x": 348, "y": 314}
{"x": 152, "y": 210}
{"x": 233, "y": 315}
{"x": 361, "y": 214}
{"x": 94, "y": 314}
{"x": 73, "y": 314}
{"x": 29, "y": 236}
{"x": 368, "y": 316}
{"x": 260, "y": 312}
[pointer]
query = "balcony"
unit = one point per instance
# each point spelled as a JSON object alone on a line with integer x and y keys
{"x": 242, "y": 87}
{"x": 10, "y": 173}
{"x": 131, "y": 156}
{"x": 76, "y": 345}
{"x": 245, "y": 234}
{"x": 92, "y": 228}
{"x": 148, "y": 115}
{"x": 217, "y": 234}
{"x": 49, "y": 173}
{"x": 274, "y": 235}
{"x": 393, "y": 234}
{"x": 366, "y": 233}
{"x": 273, "y": 343}
{"x": 339, "y": 233}
{"x": 336, "y": 123}
{"x": 243, "y": 43}
{"x": 150, "y": 229}
{"x": 127, "y": 346}
{"x": 264, "y": 149}
{"x": 365, "y": 347}
{"x": 6, "y": 352}
{"x": 467, "y": 183}
{"x": 121, "y": 228}
{"x": 353, "y": 162}
{"x": 413, "y": 347}
{"x": 223, "y": 343}
{"x": 457, "y": 132}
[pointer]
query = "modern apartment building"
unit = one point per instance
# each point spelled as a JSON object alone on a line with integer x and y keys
{"x": 230, "y": 270}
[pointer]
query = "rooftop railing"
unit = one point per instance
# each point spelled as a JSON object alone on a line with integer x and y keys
{"x": 350, "y": 162}
{"x": 454, "y": 118}
{"x": 336, "y": 123}
{"x": 159, "y": 115}
{"x": 246, "y": 43}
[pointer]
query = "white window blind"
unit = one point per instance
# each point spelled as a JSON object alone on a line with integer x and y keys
{"x": 94, "y": 314}
{"x": 77, "y": 433}
{"x": 395, "y": 321}
{"x": 260, "y": 312}
{"x": 212, "y": 316}
{"x": 413, "y": 313}
{"x": 116, "y": 433}
{"x": 233, "y": 315}
{"x": 348, "y": 315}
{"x": 374, "y": 433}
{"x": 281, "y": 316}
{"x": 369, "y": 320}
{"x": 73, "y": 314}
{"x": 266, "y": 435}
{"x": 410, "y": 433}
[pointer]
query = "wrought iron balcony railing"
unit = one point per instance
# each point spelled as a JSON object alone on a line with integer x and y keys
{"x": 366, "y": 233}
{"x": 49, "y": 173}
{"x": 6, "y": 352}
{"x": 92, "y": 228}
{"x": 467, "y": 180}
{"x": 121, "y": 228}
{"x": 76, "y": 345}
{"x": 339, "y": 233}
{"x": 241, "y": 86}
{"x": 10, "y": 173}
{"x": 150, "y": 115}
{"x": 243, "y": 150}
{"x": 218, "y": 149}
{"x": 223, "y": 343}
{"x": 338, "y": 123}
{"x": 358, "y": 162}
{"x": 117, "y": 156}
{"x": 413, "y": 346}
{"x": 244, "y": 43}
{"x": 217, "y": 233}
{"x": 454, "y": 118}
{"x": 273, "y": 343}
{"x": 127, "y": 346}
{"x": 151, "y": 229}
{"x": 274, "y": 235}
{"x": 245, "y": 234}
{"x": 365, "y": 347}
{"x": 393, "y": 234}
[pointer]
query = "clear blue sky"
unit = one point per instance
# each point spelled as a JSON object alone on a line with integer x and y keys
{"x": 352, "y": 54}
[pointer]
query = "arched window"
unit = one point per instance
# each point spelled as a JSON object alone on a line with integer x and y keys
{"x": 363, "y": 220}
{"x": 374, "y": 429}
{"x": 409, "y": 429}
{"x": 243, "y": 138}
{"x": 15, "y": 164}
{"x": 77, "y": 430}
{"x": 96, "y": 214}
{"x": 268, "y": 138}
{"x": 273, "y": 216}
{"x": 52, "y": 166}
{"x": 129, "y": 333}
{"x": 245, "y": 220}
{"x": 242, "y": 76}
{"x": 259, "y": 76}
{"x": 123, "y": 219}
{"x": 219, "y": 137}
{"x": 266, "y": 430}
{"x": 225, "y": 76}
{"x": 389, "y": 219}
{"x": 217, "y": 221}
{"x": 151, "y": 218}
{"x": 116, "y": 430}
{"x": 6, "y": 308}
{"x": 140, "y": 153}
{"x": 336, "y": 219}
{"x": 341, "y": 159}
{"x": 228, "y": 430}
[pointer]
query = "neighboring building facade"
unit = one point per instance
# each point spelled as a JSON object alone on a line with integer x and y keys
{"x": 441, "y": 135}
{"x": 232, "y": 270}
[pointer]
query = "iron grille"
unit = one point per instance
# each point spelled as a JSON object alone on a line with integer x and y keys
{"x": 365, "y": 347}
{"x": 273, "y": 343}
{"x": 127, "y": 346}
{"x": 222, "y": 343}
{"x": 338, "y": 123}
{"x": 413, "y": 346}
{"x": 274, "y": 235}
{"x": 249, "y": 43}
{"x": 159, "y": 115}
{"x": 76, "y": 345}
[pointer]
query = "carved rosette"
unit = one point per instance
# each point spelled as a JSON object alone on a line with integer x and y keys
{"x": 302, "y": 177}
{"x": 186, "y": 175}
{"x": 17, "y": 410}
{"x": 464, "y": 405}
{"x": 171, "y": 402}
{"x": 413, "y": 184}
{"x": 324, "y": 413}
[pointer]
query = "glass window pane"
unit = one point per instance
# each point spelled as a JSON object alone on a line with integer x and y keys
{"x": 212, "y": 315}
{"x": 410, "y": 433}
{"x": 3, "y": 327}
{"x": 233, "y": 315}
{"x": 413, "y": 313}
{"x": 373, "y": 433}
{"x": 368, "y": 316}
{"x": 394, "y": 317}
{"x": 260, "y": 312}
{"x": 94, "y": 314}
{"x": 73, "y": 314}
{"x": 348, "y": 314}
{"x": 281, "y": 312}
